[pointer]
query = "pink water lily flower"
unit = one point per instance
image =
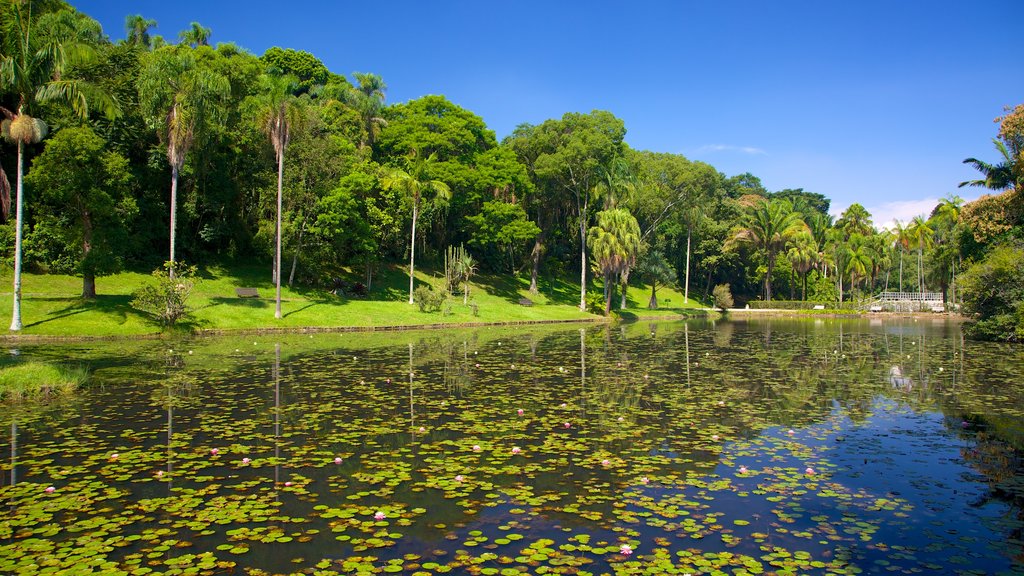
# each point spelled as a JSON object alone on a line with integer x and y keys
{"x": 50, "y": 490}
{"x": 246, "y": 460}
{"x": 714, "y": 437}
{"x": 605, "y": 462}
{"x": 459, "y": 478}
{"x": 337, "y": 460}
{"x": 214, "y": 451}
{"x": 516, "y": 450}
{"x": 288, "y": 483}
{"x": 743, "y": 469}
{"x": 379, "y": 515}
{"x": 422, "y": 429}
{"x": 645, "y": 480}
{"x": 520, "y": 412}
{"x": 568, "y": 425}
{"x": 159, "y": 473}
{"x": 809, "y": 471}
{"x": 476, "y": 448}
{"x": 114, "y": 456}
{"x": 625, "y": 550}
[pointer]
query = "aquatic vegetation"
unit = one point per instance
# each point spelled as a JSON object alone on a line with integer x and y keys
{"x": 774, "y": 455}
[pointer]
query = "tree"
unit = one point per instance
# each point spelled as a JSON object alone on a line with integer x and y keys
{"x": 902, "y": 238}
{"x": 181, "y": 99}
{"x": 803, "y": 254}
{"x": 367, "y": 97}
{"x": 855, "y": 220}
{"x": 615, "y": 244}
{"x": 995, "y": 176}
{"x": 993, "y": 290}
{"x": 769, "y": 225}
{"x": 655, "y": 269}
{"x": 501, "y": 231}
{"x": 923, "y": 235}
{"x": 196, "y": 35}
{"x": 137, "y": 30}
{"x": 280, "y": 116}
{"x": 36, "y": 55}
{"x": 414, "y": 186}
{"x": 75, "y": 172}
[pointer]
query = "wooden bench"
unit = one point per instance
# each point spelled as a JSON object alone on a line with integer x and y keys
{"x": 876, "y": 308}
{"x": 247, "y": 293}
{"x": 819, "y": 307}
{"x": 938, "y": 308}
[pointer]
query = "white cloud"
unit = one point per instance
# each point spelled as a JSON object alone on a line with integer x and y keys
{"x": 730, "y": 148}
{"x": 883, "y": 215}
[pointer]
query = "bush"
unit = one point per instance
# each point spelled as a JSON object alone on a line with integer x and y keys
{"x": 167, "y": 298}
{"x": 993, "y": 291}
{"x": 595, "y": 302}
{"x": 722, "y": 296}
{"x": 428, "y": 299}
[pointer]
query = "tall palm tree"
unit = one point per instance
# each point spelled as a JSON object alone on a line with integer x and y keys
{"x": 414, "y": 184}
{"x": 614, "y": 244}
{"x": 280, "y": 116}
{"x": 858, "y": 261}
{"x": 803, "y": 254}
{"x": 367, "y": 98}
{"x": 903, "y": 238}
{"x": 137, "y": 30}
{"x": 769, "y": 226}
{"x": 924, "y": 236}
{"x": 855, "y": 220}
{"x": 36, "y": 54}
{"x": 181, "y": 100}
{"x": 196, "y": 35}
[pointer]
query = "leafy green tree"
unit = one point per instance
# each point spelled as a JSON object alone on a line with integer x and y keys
{"x": 280, "y": 116}
{"x": 995, "y": 176}
{"x": 655, "y": 269}
{"x": 76, "y": 174}
{"x": 414, "y": 185}
{"x": 367, "y": 97}
{"x": 993, "y": 290}
{"x": 768, "y": 226}
{"x": 37, "y": 53}
{"x": 924, "y": 237}
{"x": 855, "y": 220}
{"x": 181, "y": 100}
{"x": 615, "y": 244}
{"x": 307, "y": 68}
{"x": 803, "y": 254}
{"x": 195, "y": 35}
{"x": 137, "y": 30}
{"x": 501, "y": 230}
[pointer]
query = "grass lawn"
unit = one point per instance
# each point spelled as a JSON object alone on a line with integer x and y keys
{"x": 51, "y": 305}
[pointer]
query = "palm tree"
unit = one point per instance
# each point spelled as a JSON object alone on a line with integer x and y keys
{"x": 137, "y": 30}
{"x": 802, "y": 255}
{"x": 181, "y": 100}
{"x": 768, "y": 225}
{"x": 367, "y": 98}
{"x": 35, "y": 57}
{"x": 414, "y": 186}
{"x": 903, "y": 238}
{"x": 196, "y": 35}
{"x": 280, "y": 116}
{"x": 855, "y": 220}
{"x": 858, "y": 259}
{"x": 996, "y": 176}
{"x": 923, "y": 235}
{"x": 614, "y": 244}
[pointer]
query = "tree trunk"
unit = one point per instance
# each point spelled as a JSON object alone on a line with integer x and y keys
{"x": 625, "y": 285}
{"x": 901, "y": 271}
{"x": 19, "y": 210}
{"x": 583, "y": 264}
{"x": 535, "y": 268}
{"x": 174, "y": 211}
{"x": 803, "y": 291}
{"x": 88, "y": 274}
{"x": 412, "y": 247}
{"x": 652, "y": 304}
{"x": 686, "y": 288}
{"x": 608, "y": 283}
{"x": 369, "y": 274}
{"x": 277, "y": 248}
{"x": 768, "y": 277}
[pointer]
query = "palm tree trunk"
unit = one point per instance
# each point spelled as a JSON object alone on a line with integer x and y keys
{"x": 608, "y": 284}
{"x": 298, "y": 248}
{"x": 583, "y": 264}
{"x": 88, "y": 273}
{"x": 686, "y": 288}
{"x": 803, "y": 291}
{"x": 535, "y": 268}
{"x": 652, "y": 304}
{"x": 625, "y": 285}
{"x": 277, "y": 249}
{"x": 901, "y": 271}
{"x": 19, "y": 198}
{"x": 768, "y": 277}
{"x": 174, "y": 210}
{"x": 412, "y": 247}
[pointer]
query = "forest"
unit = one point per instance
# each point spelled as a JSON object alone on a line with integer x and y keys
{"x": 126, "y": 154}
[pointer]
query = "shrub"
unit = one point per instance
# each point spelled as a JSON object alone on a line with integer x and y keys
{"x": 595, "y": 302}
{"x": 993, "y": 290}
{"x": 722, "y": 296}
{"x": 428, "y": 299}
{"x": 167, "y": 298}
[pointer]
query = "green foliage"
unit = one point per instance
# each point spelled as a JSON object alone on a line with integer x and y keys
{"x": 501, "y": 231}
{"x": 167, "y": 297}
{"x": 309, "y": 70}
{"x": 428, "y": 299}
{"x": 821, "y": 289}
{"x": 993, "y": 290}
{"x": 722, "y": 296}
{"x": 595, "y": 303}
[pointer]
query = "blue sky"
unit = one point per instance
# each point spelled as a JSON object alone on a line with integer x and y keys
{"x": 876, "y": 102}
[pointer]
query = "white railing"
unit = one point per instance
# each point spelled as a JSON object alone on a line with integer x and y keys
{"x": 911, "y": 297}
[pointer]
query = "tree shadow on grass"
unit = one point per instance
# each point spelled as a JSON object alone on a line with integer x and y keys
{"x": 117, "y": 307}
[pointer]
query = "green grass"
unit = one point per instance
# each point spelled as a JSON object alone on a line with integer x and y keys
{"x": 51, "y": 305}
{"x": 34, "y": 381}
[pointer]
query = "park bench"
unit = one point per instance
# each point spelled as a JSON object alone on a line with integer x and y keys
{"x": 525, "y": 302}
{"x": 819, "y": 306}
{"x": 876, "y": 308}
{"x": 938, "y": 308}
{"x": 247, "y": 293}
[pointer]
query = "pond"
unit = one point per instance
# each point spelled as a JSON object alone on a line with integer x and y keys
{"x": 812, "y": 446}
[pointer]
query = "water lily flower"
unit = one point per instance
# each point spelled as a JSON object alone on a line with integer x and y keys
{"x": 458, "y": 478}
{"x": 568, "y": 425}
{"x": 520, "y": 412}
{"x": 516, "y": 450}
{"x": 159, "y": 473}
{"x": 288, "y": 483}
{"x": 114, "y": 456}
{"x": 513, "y": 366}
{"x": 477, "y": 364}
{"x": 625, "y": 550}
{"x": 563, "y": 405}
{"x": 476, "y": 447}
{"x": 422, "y": 429}
{"x": 790, "y": 432}
{"x": 809, "y": 471}
{"x": 605, "y": 462}
{"x": 646, "y": 376}
{"x": 337, "y": 460}
{"x": 621, "y": 418}
{"x": 49, "y": 490}
{"x": 246, "y": 460}
{"x": 743, "y": 469}
{"x": 714, "y": 437}
{"x": 214, "y": 451}
{"x": 379, "y": 515}
{"x": 721, "y": 403}
{"x": 645, "y": 480}
{"x": 388, "y": 381}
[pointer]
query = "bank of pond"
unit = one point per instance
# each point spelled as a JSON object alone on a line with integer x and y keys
{"x": 743, "y": 446}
